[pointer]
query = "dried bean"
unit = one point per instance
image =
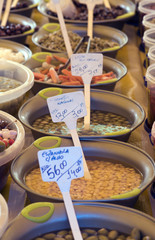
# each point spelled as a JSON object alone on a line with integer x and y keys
{"x": 101, "y": 123}
{"x": 116, "y": 179}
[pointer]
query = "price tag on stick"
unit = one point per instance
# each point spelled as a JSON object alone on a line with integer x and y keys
{"x": 86, "y": 66}
{"x": 61, "y": 165}
{"x": 90, "y": 6}
{"x": 1, "y": 8}
{"x": 63, "y": 27}
{"x": 68, "y": 108}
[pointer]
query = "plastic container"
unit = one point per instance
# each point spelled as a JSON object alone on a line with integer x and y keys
{"x": 11, "y": 100}
{"x": 52, "y": 217}
{"x": 144, "y": 9}
{"x": 11, "y": 152}
{"x": 147, "y": 21}
{"x": 151, "y": 55}
{"x": 4, "y": 213}
{"x": 150, "y": 78}
{"x": 149, "y": 41}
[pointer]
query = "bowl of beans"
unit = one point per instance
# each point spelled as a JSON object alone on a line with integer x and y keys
{"x": 13, "y": 51}
{"x": 17, "y": 28}
{"x": 106, "y": 40}
{"x": 42, "y": 65}
{"x": 96, "y": 221}
{"x": 77, "y": 13}
{"x": 116, "y": 177}
{"x": 15, "y": 81}
{"x": 12, "y": 137}
{"x": 24, "y": 7}
{"x": 112, "y": 116}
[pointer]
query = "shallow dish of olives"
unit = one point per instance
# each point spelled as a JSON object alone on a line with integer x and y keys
{"x": 24, "y": 7}
{"x": 106, "y": 40}
{"x": 109, "y": 65}
{"x": 110, "y": 152}
{"x": 17, "y": 28}
{"x": 120, "y": 13}
{"x": 93, "y": 219}
{"x": 110, "y": 116}
{"x": 8, "y": 150}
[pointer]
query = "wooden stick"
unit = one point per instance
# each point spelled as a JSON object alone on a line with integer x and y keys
{"x": 87, "y": 101}
{"x": 1, "y": 8}
{"x": 14, "y": 3}
{"x": 90, "y": 22}
{"x": 63, "y": 30}
{"x": 71, "y": 216}
{"x": 77, "y": 143}
{"x": 107, "y": 4}
{"x": 6, "y": 13}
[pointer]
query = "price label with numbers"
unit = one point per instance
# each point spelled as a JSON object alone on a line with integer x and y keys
{"x": 87, "y": 65}
{"x": 61, "y": 165}
{"x": 67, "y": 108}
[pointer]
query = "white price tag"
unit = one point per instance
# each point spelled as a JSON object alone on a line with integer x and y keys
{"x": 61, "y": 165}
{"x": 87, "y": 65}
{"x": 67, "y": 107}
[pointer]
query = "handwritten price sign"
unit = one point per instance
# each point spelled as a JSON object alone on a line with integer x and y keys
{"x": 61, "y": 165}
{"x": 87, "y": 65}
{"x": 67, "y": 108}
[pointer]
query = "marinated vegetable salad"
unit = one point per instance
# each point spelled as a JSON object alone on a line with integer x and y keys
{"x": 7, "y": 136}
{"x": 48, "y": 73}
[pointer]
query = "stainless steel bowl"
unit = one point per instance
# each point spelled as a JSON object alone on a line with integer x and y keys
{"x": 128, "y": 5}
{"x": 100, "y": 100}
{"x": 109, "y": 64}
{"x": 106, "y": 150}
{"x": 102, "y": 32}
{"x": 28, "y": 10}
{"x": 15, "y": 18}
{"x": 89, "y": 216}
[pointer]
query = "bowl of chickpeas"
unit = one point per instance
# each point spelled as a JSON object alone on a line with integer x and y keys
{"x": 116, "y": 177}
